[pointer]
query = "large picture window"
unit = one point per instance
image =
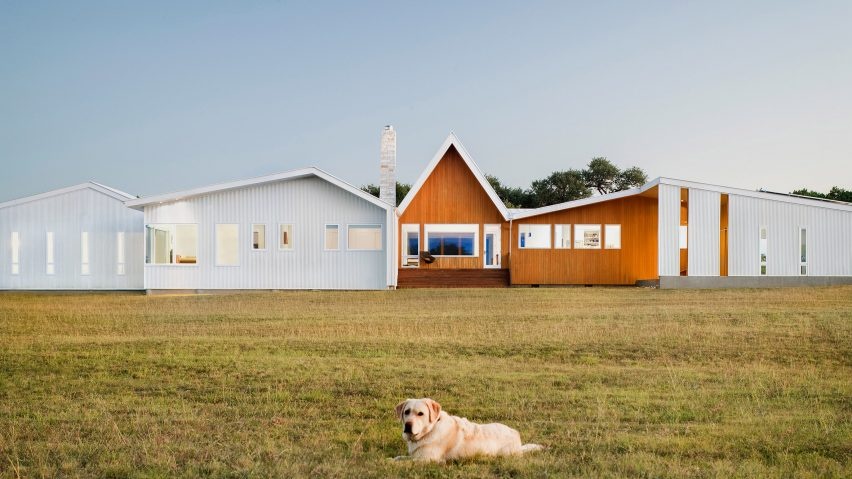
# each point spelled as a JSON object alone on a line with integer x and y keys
{"x": 452, "y": 239}
{"x": 562, "y": 236}
{"x": 227, "y": 245}
{"x": 364, "y": 237}
{"x": 171, "y": 244}
{"x": 587, "y": 236}
{"x": 533, "y": 236}
{"x": 612, "y": 236}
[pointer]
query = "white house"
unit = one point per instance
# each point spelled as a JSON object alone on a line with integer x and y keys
{"x": 76, "y": 238}
{"x": 303, "y": 229}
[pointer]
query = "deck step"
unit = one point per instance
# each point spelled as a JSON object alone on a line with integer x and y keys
{"x": 452, "y": 278}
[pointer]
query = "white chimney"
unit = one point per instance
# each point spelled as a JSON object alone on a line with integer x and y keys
{"x": 387, "y": 182}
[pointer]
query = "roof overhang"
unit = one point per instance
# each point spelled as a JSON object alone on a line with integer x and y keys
{"x": 91, "y": 185}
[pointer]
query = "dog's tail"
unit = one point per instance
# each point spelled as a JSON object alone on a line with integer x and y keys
{"x": 531, "y": 448}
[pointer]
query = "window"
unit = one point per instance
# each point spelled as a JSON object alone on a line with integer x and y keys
{"x": 51, "y": 268}
{"x": 682, "y": 233}
{"x": 120, "y": 254}
{"x": 285, "y": 237}
{"x": 803, "y": 251}
{"x": 587, "y": 236}
{"x": 364, "y": 237}
{"x": 533, "y": 236}
{"x": 84, "y": 253}
{"x": 258, "y": 237}
{"x": 452, "y": 239}
{"x": 563, "y": 236}
{"x": 612, "y": 236}
{"x": 171, "y": 244}
{"x": 227, "y": 245}
{"x": 762, "y": 246}
{"x": 332, "y": 237}
{"x": 16, "y": 252}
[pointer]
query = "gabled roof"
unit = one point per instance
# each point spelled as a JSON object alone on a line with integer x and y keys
{"x": 453, "y": 141}
{"x": 111, "y": 192}
{"x": 140, "y": 203}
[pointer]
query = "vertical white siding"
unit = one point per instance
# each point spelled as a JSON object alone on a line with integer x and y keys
{"x": 67, "y": 216}
{"x": 703, "y": 232}
{"x": 306, "y": 203}
{"x": 668, "y": 222}
{"x": 829, "y": 238}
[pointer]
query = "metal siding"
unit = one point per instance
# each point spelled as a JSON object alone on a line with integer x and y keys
{"x": 67, "y": 215}
{"x": 307, "y": 203}
{"x": 703, "y": 229}
{"x": 829, "y": 238}
{"x": 667, "y": 228}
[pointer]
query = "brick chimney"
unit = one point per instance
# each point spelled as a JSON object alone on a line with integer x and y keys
{"x": 387, "y": 167}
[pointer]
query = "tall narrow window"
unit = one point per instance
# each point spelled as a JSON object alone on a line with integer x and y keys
{"x": 803, "y": 250}
{"x": 612, "y": 236}
{"x": 285, "y": 237}
{"x": 763, "y": 251}
{"x": 51, "y": 269}
{"x": 682, "y": 235}
{"x": 562, "y": 235}
{"x": 120, "y": 255}
{"x": 227, "y": 245}
{"x": 84, "y": 253}
{"x": 332, "y": 237}
{"x": 258, "y": 237}
{"x": 16, "y": 253}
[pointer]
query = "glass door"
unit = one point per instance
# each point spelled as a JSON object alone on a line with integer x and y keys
{"x": 410, "y": 246}
{"x": 491, "y": 246}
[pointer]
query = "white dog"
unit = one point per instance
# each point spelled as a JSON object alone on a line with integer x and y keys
{"x": 434, "y": 435}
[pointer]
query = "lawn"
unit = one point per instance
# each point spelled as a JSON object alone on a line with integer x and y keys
{"x": 614, "y": 381}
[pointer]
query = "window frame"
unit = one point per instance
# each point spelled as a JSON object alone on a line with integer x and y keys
{"x": 452, "y": 228}
{"x": 600, "y": 236}
{"x": 265, "y": 238}
{"x": 292, "y": 236}
{"x": 182, "y": 265}
{"x": 549, "y": 235}
{"x": 606, "y": 236}
{"x": 381, "y": 237}
{"x": 562, "y": 226}
{"x": 216, "y": 245}
{"x": 325, "y": 243}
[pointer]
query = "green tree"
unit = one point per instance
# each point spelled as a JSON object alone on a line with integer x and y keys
{"x": 836, "y": 193}
{"x": 513, "y": 197}
{"x": 605, "y": 177}
{"x": 559, "y": 187}
{"x": 402, "y": 189}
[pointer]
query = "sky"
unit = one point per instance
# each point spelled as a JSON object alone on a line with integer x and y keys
{"x": 153, "y": 97}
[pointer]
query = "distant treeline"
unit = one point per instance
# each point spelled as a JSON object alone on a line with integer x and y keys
{"x": 560, "y": 186}
{"x": 835, "y": 193}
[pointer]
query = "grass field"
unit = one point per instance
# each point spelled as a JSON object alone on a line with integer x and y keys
{"x": 616, "y": 382}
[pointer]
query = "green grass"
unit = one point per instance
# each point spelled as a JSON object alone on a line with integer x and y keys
{"x": 615, "y": 381}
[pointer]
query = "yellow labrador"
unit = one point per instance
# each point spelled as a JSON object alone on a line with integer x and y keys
{"x": 434, "y": 435}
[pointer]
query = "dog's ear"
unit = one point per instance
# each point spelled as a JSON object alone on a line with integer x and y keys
{"x": 434, "y": 409}
{"x": 399, "y": 408}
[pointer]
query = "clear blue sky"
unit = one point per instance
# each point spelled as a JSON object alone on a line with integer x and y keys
{"x": 152, "y": 97}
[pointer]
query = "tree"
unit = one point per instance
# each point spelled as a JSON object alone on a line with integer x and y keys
{"x": 513, "y": 197}
{"x": 605, "y": 177}
{"x": 836, "y": 193}
{"x": 402, "y": 189}
{"x": 559, "y": 187}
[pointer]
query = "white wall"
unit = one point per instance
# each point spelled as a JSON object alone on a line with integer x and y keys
{"x": 307, "y": 203}
{"x": 668, "y": 224}
{"x": 67, "y": 215}
{"x": 703, "y": 229}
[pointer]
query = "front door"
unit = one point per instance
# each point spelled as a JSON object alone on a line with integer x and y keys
{"x": 491, "y": 246}
{"x": 410, "y": 246}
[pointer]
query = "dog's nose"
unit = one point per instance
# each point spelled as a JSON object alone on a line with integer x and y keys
{"x": 407, "y": 428}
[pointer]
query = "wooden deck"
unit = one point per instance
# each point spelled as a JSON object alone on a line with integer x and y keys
{"x": 453, "y": 278}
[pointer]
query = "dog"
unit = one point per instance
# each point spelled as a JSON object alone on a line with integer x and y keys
{"x": 434, "y": 435}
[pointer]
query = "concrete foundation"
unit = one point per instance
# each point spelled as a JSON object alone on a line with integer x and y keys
{"x": 712, "y": 282}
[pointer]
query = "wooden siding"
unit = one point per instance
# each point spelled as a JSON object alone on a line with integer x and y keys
{"x": 636, "y": 260}
{"x": 452, "y": 194}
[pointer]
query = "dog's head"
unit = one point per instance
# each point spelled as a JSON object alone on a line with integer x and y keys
{"x": 418, "y": 417}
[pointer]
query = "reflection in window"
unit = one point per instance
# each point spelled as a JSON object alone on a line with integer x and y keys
{"x": 171, "y": 244}
{"x": 451, "y": 244}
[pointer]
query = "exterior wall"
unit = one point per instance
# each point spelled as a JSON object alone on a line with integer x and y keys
{"x": 67, "y": 215}
{"x": 718, "y": 282}
{"x": 668, "y": 198}
{"x": 703, "y": 248}
{"x": 829, "y": 238}
{"x": 636, "y": 260}
{"x": 452, "y": 194}
{"x": 308, "y": 204}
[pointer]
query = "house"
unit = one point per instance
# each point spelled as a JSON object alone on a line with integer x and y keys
{"x": 454, "y": 231}
{"x": 76, "y": 238}
{"x": 303, "y": 229}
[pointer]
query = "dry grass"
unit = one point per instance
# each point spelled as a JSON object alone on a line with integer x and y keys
{"x": 617, "y": 382}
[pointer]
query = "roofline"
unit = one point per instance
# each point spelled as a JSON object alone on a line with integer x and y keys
{"x": 106, "y": 190}
{"x": 140, "y": 203}
{"x": 452, "y": 140}
{"x": 586, "y": 201}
